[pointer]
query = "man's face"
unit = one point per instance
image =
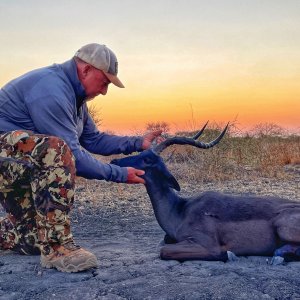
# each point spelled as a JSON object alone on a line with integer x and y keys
{"x": 94, "y": 82}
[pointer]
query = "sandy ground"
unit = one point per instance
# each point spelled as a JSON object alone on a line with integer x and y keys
{"x": 116, "y": 222}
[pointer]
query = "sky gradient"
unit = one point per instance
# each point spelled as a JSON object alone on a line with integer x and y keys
{"x": 182, "y": 62}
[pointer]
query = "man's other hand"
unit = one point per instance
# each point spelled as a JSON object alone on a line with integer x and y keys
{"x": 133, "y": 175}
{"x": 150, "y": 137}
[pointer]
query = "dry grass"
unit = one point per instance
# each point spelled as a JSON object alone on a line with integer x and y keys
{"x": 259, "y": 153}
{"x": 235, "y": 158}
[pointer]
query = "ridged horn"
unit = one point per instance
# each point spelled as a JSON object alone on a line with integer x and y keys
{"x": 179, "y": 140}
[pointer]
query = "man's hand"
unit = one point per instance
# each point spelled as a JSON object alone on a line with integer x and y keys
{"x": 150, "y": 137}
{"x": 133, "y": 175}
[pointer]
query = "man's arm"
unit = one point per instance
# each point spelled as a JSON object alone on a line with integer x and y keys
{"x": 105, "y": 144}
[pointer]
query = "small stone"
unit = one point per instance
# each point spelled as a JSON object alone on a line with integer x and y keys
{"x": 277, "y": 260}
{"x": 232, "y": 256}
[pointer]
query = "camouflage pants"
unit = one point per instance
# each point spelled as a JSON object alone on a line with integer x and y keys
{"x": 37, "y": 174}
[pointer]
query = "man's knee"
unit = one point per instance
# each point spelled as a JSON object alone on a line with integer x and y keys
{"x": 57, "y": 153}
{"x": 41, "y": 149}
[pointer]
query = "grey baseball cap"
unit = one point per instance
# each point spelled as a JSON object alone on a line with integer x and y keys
{"x": 102, "y": 58}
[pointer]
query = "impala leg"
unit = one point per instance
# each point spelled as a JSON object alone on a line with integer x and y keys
{"x": 288, "y": 226}
{"x": 288, "y": 230}
{"x": 186, "y": 250}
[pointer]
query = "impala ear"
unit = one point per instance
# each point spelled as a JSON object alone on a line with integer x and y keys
{"x": 173, "y": 183}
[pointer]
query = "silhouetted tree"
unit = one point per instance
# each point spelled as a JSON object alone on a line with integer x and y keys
{"x": 164, "y": 126}
{"x": 267, "y": 129}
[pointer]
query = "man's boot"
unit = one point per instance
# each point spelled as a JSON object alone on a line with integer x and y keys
{"x": 58, "y": 249}
{"x": 69, "y": 258}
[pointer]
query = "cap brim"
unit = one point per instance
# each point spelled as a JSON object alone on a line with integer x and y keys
{"x": 114, "y": 80}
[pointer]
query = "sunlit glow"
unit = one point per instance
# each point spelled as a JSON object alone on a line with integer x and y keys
{"x": 182, "y": 64}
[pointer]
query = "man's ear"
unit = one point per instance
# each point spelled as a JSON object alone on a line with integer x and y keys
{"x": 85, "y": 70}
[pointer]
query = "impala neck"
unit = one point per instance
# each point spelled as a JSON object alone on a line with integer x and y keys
{"x": 167, "y": 205}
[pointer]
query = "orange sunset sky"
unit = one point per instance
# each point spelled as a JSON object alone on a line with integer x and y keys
{"x": 179, "y": 60}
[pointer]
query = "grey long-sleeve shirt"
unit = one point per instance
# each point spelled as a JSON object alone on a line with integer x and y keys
{"x": 45, "y": 101}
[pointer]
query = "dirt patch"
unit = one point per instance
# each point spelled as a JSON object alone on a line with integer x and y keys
{"x": 116, "y": 222}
